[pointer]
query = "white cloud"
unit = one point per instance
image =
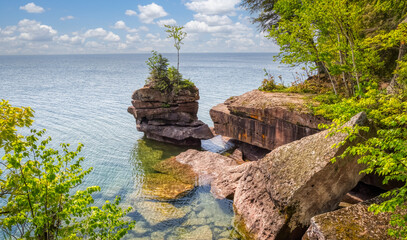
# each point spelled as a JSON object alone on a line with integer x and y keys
{"x": 133, "y": 38}
{"x": 163, "y": 22}
{"x": 130, "y": 12}
{"x": 213, "y": 7}
{"x": 203, "y": 27}
{"x": 213, "y": 20}
{"x": 32, "y": 30}
{"x": 144, "y": 28}
{"x": 93, "y": 44}
{"x": 111, "y": 37}
{"x": 122, "y": 25}
{"x": 150, "y": 12}
{"x": 97, "y": 32}
{"x": 67, "y": 18}
{"x": 9, "y": 30}
{"x": 32, "y": 8}
{"x": 152, "y": 36}
{"x": 75, "y": 40}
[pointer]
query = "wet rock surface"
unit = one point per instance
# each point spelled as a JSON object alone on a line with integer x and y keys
{"x": 276, "y": 196}
{"x": 169, "y": 117}
{"x": 266, "y": 120}
{"x": 165, "y": 187}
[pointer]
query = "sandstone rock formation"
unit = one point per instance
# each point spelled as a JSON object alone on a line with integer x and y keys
{"x": 207, "y": 165}
{"x": 169, "y": 117}
{"x": 266, "y": 120}
{"x": 354, "y": 222}
{"x": 277, "y": 196}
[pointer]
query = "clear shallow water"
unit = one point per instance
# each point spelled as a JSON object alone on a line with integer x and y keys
{"x": 84, "y": 98}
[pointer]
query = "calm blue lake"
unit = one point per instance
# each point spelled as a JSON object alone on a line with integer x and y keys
{"x": 84, "y": 98}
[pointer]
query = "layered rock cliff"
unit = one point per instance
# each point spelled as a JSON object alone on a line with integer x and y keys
{"x": 266, "y": 120}
{"x": 169, "y": 117}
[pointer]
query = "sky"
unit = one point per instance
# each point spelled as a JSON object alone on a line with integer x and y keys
{"x": 126, "y": 26}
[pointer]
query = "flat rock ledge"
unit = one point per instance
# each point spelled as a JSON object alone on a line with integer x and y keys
{"x": 267, "y": 120}
{"x": 277, "y": 196}
{"x": 354, "y": 222}
{"x": 169, "y": 117}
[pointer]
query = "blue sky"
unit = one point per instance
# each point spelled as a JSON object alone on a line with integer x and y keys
{"x": 126, "y": 26}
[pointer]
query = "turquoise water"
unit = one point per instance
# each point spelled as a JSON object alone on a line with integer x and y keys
{"x": 84, "y": 98}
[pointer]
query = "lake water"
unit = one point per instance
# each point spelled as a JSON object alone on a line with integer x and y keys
{"x": 84, "y": 98}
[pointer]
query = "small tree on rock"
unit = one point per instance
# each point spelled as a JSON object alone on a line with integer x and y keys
{"x": 178, "y": 35}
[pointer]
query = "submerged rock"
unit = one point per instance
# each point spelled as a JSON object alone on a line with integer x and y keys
{"x": 266, "y": 120}
{"x": 169, "y": 117}
{"x": 277, "y": 195}
{"x": 354, "y": 222}
{"x": 165, "y": 187}
{"x": 200, "y": 233}
{"x": 156, "y": 212}
{"x": 177, "y": 170}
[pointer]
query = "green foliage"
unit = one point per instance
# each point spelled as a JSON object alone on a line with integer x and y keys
{"x": 358, "y": 45}
{"x": 386, "y": 153}
{"x": 269, "y": 85}
{"x": 164, "y": 78}
{"x": 157, "y": 65}
{"x": 39, "y": 185}
{"x": 332, "y": 35}
{"x": 10, "y": 118}
{"x": 178, "y": 35}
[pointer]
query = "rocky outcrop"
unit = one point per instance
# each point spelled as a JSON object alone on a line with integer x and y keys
{"x": 266, "y": 120}
{"x": 354, "y": 222}
{"x": 276, "y": 196}
{"x": 169, "y": 117}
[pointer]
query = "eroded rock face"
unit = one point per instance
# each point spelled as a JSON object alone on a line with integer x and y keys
{"x": 354, "y": 222}
{"x": 277, "y": 195}
{"x": 266, "y": 120}
{"x": 169, "y": 117}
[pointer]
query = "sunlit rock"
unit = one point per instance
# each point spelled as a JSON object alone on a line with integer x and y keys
{"x": 278, "y": 195}
{"x": 266, "y": 120}
{"x": 169, "y": 117}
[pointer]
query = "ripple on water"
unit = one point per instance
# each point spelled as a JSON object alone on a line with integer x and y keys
{"x": 84, "y": 98}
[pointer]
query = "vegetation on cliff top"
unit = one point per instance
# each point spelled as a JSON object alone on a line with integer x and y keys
{"x": 359, "y": 48}
{"x": 168, "y": 79}
{"x": 39, "y": 188}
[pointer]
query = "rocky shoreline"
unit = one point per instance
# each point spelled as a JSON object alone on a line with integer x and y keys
{"x": 293, "y": 191}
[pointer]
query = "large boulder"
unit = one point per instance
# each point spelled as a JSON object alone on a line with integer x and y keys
{"x": 354, "y": 222}
{"x": 169, "y": 117}
{"x": 266, "y": 120}
{"x": 278, "y": 195}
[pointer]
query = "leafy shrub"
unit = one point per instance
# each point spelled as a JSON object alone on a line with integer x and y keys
{"x": 164, "y": 78}
{"x": 39, "y": 188}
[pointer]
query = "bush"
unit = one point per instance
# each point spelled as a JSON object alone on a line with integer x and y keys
{"x": 165, "y": 79}
{"x": 39, "y": 188}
